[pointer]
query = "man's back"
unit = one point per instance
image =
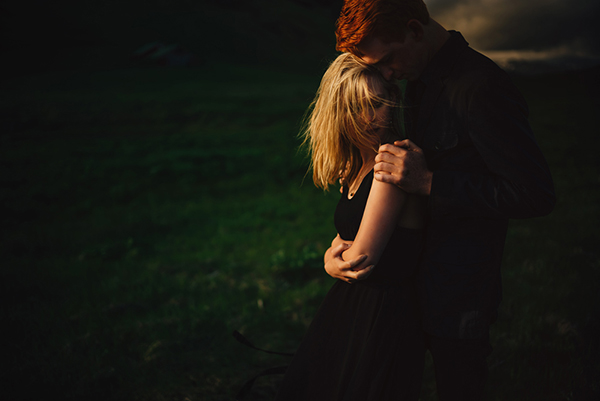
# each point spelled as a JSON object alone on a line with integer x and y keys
{"x": 472, "y": 126}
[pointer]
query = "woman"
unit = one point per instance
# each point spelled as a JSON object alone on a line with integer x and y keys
{"x": 364, "y": 342}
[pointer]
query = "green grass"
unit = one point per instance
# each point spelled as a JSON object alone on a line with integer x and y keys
{"x": 148, "y": 213}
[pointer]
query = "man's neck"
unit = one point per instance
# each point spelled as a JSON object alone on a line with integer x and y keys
{"x": 436, "y": 36}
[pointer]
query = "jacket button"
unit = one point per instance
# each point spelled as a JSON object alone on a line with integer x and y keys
{"x": 438, "y": 145}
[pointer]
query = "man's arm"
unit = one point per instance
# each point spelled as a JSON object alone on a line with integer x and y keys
{"x": 517, "y": 181}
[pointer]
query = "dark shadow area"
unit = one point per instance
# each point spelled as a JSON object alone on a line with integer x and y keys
{"x": 150, "y": 208}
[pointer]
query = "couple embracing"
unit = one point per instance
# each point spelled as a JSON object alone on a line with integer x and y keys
{"x": 429, "y": 179}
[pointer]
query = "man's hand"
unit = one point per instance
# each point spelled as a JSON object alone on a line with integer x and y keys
{"x": 403, "y": 164}
{"x": 338, "y": 268}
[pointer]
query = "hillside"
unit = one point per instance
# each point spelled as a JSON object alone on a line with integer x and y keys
{"x": 42, "y": 35}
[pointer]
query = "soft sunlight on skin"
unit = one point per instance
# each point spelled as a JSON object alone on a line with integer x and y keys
{"x": 406, "y": 59}
{"x": 395, "y": 60}
{"x": 377, "y": 121}
{"x": 403, "y": 164}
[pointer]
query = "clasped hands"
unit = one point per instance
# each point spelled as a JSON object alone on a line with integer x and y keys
{"x": 402, "y": 164}
{"x": 343, "y": 270}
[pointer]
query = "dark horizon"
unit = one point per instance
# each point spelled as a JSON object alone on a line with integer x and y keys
{"x": 523, "y": 38}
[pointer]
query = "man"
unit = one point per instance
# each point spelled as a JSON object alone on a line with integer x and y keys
{"x": 471, "y": 153}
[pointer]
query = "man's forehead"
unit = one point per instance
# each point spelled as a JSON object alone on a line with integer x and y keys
{"x": 373, "y": 50}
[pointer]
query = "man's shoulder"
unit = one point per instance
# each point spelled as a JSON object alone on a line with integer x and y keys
{"x": 473, "y": 69}
{"x": 457, "y": 59}
{"x": 476, "y": 62}
{"x": 471, "y": 61}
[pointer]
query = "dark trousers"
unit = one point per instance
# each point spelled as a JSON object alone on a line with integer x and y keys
{"x": 460, "y": 367}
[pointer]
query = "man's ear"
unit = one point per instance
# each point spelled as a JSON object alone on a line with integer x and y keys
{"x": 415, "y": 28}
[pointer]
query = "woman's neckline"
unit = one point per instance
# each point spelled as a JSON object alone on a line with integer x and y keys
{"x": 351, "y": 195}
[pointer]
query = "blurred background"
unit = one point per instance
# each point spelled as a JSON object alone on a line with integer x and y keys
{"x": 153, "y": 198}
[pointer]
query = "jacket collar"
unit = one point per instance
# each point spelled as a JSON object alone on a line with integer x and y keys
{"x": 442, "y": 62}
{"x": 438, "y": 68}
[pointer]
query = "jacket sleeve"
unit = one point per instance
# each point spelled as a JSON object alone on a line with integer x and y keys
{"x": 516, "y": 180}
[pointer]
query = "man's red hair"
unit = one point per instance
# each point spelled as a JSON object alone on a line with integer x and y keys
{"x": 385, "y": 19}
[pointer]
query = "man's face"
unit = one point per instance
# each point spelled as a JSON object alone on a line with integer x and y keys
{"x": 395, "y": 60}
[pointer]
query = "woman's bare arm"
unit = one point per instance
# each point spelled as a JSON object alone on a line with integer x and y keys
{"x": 338, "y": 268}
{"x": 381, "y": 215}
{"x": 337, "y": 241}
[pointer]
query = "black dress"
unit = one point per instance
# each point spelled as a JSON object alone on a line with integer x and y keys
{"x": 365, "y": 341}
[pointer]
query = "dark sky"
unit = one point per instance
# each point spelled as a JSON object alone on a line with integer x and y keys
{"x": 505, "y": 30}
{"x": 529, "y": 28}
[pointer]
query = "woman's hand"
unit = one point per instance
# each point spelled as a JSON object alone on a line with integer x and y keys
{"x": 338, "y": 241}
{"x": 343, "y": 270}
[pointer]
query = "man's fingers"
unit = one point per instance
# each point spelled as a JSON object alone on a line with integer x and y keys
{"x": 402, "y": 143}
{"x": 384, "y": 167}
{"x": 390, "y": 158}
{"x": 388, "y": 172}
{"x": 389, "y": 178}
{"x": 398, "y": 149}
{"x": 407, "y": 144}
{"x": 392, "y": 149}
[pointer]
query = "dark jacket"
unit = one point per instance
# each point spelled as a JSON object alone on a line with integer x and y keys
{"x": 487, "y": 167}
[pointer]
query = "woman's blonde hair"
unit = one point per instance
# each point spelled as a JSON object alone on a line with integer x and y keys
{"x": 335, "y": 127}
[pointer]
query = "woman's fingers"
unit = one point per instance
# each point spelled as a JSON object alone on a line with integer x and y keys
{"x": 356, "y": 275}
{"x": 355, "y": 262}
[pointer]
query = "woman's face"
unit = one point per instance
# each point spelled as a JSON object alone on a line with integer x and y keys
{"x": 377, "y": 120}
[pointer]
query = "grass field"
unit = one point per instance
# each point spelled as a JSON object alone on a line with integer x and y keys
{"x": 149, "y": 212}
